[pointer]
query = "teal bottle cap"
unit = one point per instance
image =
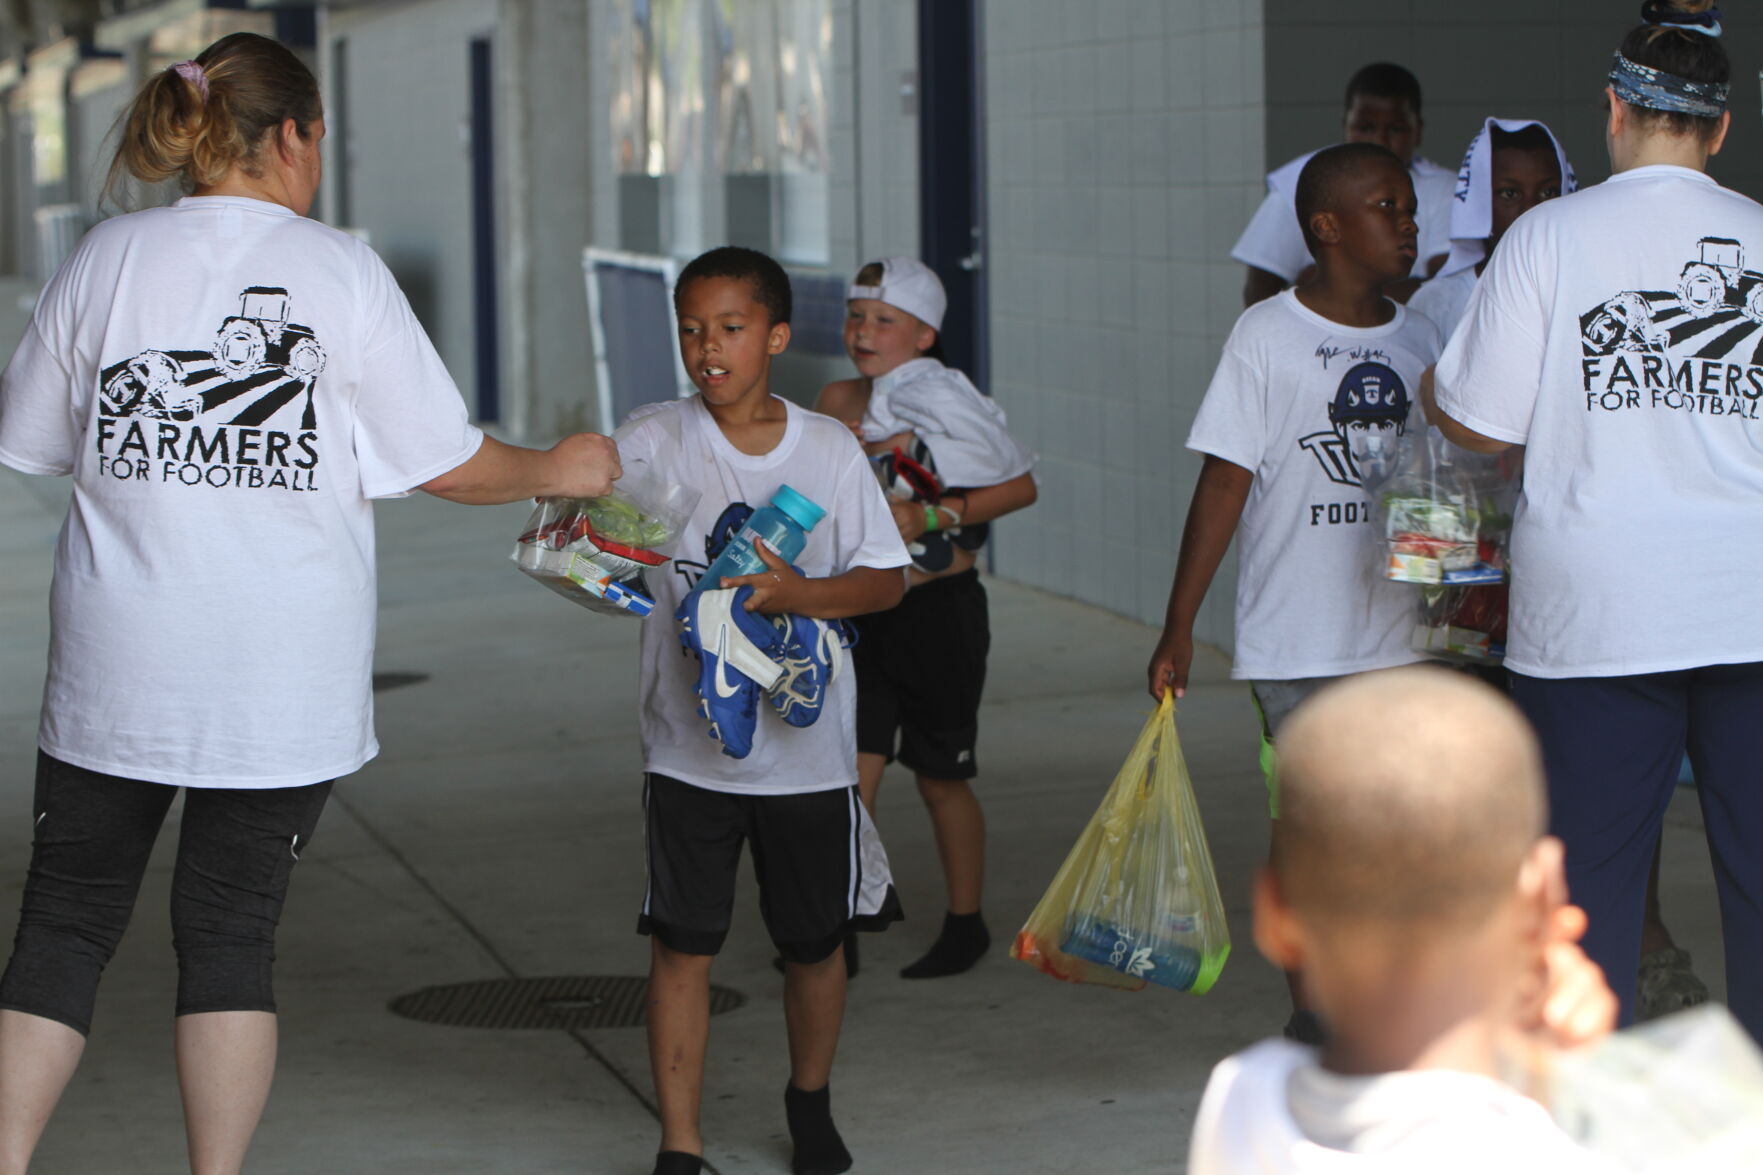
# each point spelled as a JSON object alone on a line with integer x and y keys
{"x": 805, "y": 513}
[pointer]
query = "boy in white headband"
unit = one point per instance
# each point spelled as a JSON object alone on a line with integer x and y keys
{"x": 1512, "y": 165}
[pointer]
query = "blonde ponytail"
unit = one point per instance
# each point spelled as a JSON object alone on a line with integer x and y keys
{"x": 198, "y": 121}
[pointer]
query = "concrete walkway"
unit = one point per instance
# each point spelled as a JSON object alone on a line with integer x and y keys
{"x": 499, "y": 834}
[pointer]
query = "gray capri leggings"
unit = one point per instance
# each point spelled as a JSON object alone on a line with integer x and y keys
{"x": 94, "y": 833}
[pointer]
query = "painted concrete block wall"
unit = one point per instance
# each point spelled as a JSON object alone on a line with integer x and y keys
{"x": 1506, "y": 58}
{"x": 405, "y": 144}
{"x": 1125, "y": 155}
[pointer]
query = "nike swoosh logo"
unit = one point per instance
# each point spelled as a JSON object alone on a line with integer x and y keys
{"x": 724, "y": 688}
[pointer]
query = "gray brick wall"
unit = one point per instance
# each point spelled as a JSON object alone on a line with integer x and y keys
{"x": 1125, "y": 148}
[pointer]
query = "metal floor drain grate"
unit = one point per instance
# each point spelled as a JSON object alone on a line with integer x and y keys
{"x": 558, "y": 1001}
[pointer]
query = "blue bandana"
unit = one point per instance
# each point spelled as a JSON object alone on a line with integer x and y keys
{"x": 1654, "y": 89}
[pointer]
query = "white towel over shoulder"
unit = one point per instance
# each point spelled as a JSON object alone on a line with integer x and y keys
{"x": 963, "y": 428}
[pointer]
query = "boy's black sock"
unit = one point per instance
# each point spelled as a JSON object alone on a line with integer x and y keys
{"x": 678, "y": 1163}
{"x": 819, "y": 1149}
{"x": 961, "y": 944}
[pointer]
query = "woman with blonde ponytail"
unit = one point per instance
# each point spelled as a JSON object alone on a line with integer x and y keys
{"x": 1617, "y": 333}
{"x": 230, "y": 385}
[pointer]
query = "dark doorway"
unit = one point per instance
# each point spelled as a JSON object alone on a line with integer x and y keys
{"x": 488, "y": 367}
{"x": 952, "y": 176}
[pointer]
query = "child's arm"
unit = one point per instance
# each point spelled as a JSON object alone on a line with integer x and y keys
{"x": 856, "y": 592}
{"x": 974, "y": 506}
{"x": 902, "y": 440}
{"x": 1217, "y": 507}
{"x": 988, "y": 502}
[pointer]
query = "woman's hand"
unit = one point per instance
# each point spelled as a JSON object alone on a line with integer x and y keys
{"x": 776, "y": 590}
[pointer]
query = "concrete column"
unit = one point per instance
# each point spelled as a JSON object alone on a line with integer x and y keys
{"x": 544, "y": 96}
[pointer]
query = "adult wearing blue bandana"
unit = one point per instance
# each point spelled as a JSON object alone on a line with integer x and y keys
{"x": 1617, "y": 333}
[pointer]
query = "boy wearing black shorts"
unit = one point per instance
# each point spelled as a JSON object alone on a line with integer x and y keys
{"x": 791, "y": 793}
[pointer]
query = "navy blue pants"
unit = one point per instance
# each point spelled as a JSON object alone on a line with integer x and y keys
{"x": 1612, "y": 747}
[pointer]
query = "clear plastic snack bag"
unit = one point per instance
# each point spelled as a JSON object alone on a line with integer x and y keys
{"x": 1136, "y": 900}
{"x": 1683, "y": 1093}
{"x": 1447, "y": 513}
{"x": 595, "y": 551}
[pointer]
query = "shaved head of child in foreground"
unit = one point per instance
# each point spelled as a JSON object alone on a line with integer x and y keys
{"x": 1410, "y": 878}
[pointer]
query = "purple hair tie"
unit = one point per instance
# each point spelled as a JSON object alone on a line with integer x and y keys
{"x": 195, "y": 75}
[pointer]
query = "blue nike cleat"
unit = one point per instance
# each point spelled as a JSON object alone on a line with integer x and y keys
{"x": 812, "y": 657}
{"x": 737, "y": 653}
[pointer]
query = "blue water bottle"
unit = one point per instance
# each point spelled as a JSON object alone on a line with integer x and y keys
{"x": 784, "y": 525}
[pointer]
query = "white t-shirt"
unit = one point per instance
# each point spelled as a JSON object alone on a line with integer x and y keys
{"x": 1616, "y": 335}
{"x": 1274, "y": 242}
{"x": 680, "y": 442}
{"x": 963, "y": 428}
{"x": 229, "y": 384}
{"x": 1314, "y": 409}
{"x": 1273, "y": 1110}
{"x": 1443, "y": 299}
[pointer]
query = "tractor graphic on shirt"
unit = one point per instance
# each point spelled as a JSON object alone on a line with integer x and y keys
{"x": 259, "y": 370}
{"x": 1716, "y": 308}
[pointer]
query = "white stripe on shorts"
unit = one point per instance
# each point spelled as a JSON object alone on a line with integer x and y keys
{"x": 872, "y": 878}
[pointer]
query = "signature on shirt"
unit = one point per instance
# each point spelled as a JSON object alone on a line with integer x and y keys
{"x": 1357, "y": 354}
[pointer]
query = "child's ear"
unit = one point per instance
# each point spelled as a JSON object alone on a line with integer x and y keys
{"x": 1542, "y": 878}
{"x": 1276, "y": 930}
{"x": 1325, "y": 228}
{"x": 927, "y": 338}
{"x": 778, "y": 339}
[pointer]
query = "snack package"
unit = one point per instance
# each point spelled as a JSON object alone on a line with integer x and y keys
{"x": 1463, "y": 623}
{"x": 1447, "y": 514}
{"x": 1136, "y": 900}
{"x": 594, "y": 551}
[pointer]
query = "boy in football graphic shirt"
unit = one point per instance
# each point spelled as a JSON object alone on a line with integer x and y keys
{"x": 1300, "y": 423}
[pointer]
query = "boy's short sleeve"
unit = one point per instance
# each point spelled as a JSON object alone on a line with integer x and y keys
{"x": 1232, "y": 422}
{"x": 1488, "y": 377}
{"x": 411, "y": 424}
{"x": 1273, "y": 241}
{"x": 41, "y": 411}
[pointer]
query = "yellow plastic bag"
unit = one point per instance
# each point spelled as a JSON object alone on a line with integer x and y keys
{"x": 1137, "y": 900}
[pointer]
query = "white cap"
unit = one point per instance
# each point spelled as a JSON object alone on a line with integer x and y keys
{"x": 908, "y": 284}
